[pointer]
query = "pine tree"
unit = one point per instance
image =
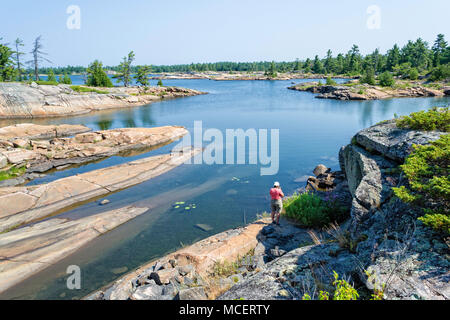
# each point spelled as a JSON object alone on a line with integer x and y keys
{"x": 438, "y": 49}
{"x": 97, "y": 77}
{"x": 124, "y": 70}
{"x": 51, "y": 76}
{"x": 18, "y": 54}
{"x": 142, "y": 74}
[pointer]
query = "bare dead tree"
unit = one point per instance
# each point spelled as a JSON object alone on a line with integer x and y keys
{"x": 38, "y": 56}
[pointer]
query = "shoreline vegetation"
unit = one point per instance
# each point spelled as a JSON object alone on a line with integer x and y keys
{"x": 275, "y": 262}
{"x": 391, "y": 180}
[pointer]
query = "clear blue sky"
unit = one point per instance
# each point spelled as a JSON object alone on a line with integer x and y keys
{"x": 177, "y": 31}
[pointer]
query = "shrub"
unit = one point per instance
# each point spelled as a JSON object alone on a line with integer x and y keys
{"x": 438, "y": 222}
{"x": 433, "y": 119}
{"x": 344, "y": 290}
{"x": 45, "y": 83}
{"x": 413, "y": 74}
{"x": 330, "y": 82}
{"x": 12, "y": 173}
{"x": 440, "y": 73}
{"x": 311, "y": 211}
{"x": 368, "y": 77}
{"x": 84, "y": 89}
{"x": 426, "y": 169}
{"x": 160, "y": 84}
{"x": 386, "y": 79}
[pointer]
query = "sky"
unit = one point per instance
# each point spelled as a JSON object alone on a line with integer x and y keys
{"x": 178, "y": 32}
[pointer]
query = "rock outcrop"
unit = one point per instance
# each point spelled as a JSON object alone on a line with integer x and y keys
{"x": 18, "y": 100}
{"x": 20, "y": 205}
{"x": 28, "y": 250}
{"x": 383, "y": 243}
{"x": 19, "y": 146}
{"x": 365, "y": 91}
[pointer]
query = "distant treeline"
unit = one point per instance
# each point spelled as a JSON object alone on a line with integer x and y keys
{"x": 415, "y": 54}
{"x": 413, "y": 59}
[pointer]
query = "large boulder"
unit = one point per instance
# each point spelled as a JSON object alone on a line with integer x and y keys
{"x": 393, "y": 142}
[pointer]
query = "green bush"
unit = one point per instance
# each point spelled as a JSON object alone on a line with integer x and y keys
{"x": 441, "y": 72}
{"x": 311, "y": 211}
{"x": 330, "y": 82}
{"x": 433, "y": 119}
{"x": 438, "y": 222}
{"x": 45, "y": 83}
{"x": 84, "y": 89}
{"x": 413, "y": 74}
{"x": 386, "y": 79}
{"x": 427, "y": 171}
{"x": 368, "y": 77}
{"x": 12, "y": 173}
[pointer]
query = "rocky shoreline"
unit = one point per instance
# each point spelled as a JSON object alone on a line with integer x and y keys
{"x": 356, "y": 91}
{"x": 23, "y": 146}
{"x": 381, "y": 244}
{"x": 20, "y": 100}
{"x": 224, "y": 76}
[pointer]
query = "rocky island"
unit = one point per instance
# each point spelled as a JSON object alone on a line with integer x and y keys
{"x": 357, "y": 91}
{"x": 21, "y": 100}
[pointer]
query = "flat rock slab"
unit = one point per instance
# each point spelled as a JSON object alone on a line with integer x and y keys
{"x": 22, "y": 205}
{"x": 43, "y": 155}
{"x": 26, "y": 251}
{"x": 35, "y": 131}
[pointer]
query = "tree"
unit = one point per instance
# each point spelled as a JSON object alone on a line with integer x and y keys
{"x": 38, "y": 56}
{"x": 393, "y": 58}
{"x": 97, "y": 77}
{"x": 18, "y": 54}
{"x": 51, "y": 76}
{"x": 273, "y": 70}
{"x": 142, "y": 74}
{"x": 369, "y": 76}
{"x": 124, "y": 72}
{"x": 160, "y": 84}
{"x": 329, "y": 63}
{"x": 386, "y": 79}
{"x": 318, "y": 65}
{"x": 66, "y": 79}
{"x": 413, "y": 74}
{"x": 438, "y": 49}
{"x": 7, "y": 71}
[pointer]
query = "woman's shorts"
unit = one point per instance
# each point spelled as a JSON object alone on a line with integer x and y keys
{"x": 276, "y": 205}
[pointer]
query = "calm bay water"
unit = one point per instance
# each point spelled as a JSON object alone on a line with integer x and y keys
{"x": 311, "y": 132}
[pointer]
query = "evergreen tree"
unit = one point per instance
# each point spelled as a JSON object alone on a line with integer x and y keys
{"x": 124, "y": 70}
{"x": 369, "y": 76}
{"x": 51, "y": 76}
{"x": 160, "y": 84}
{"x": 317, "y": 65}
{"x": 329, "y": 63}
{"x": 273, "y": 70}
{"x": 393, "y": 58}
{"x": 439, "y": 47}
{"x": 7, "y": 72}
{"x": 66, "y": 79}
{"x": 142, "y": 75}
{"x": 97, "y": 77}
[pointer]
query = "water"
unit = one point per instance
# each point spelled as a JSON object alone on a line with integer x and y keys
{"x": 311, "y": 132}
